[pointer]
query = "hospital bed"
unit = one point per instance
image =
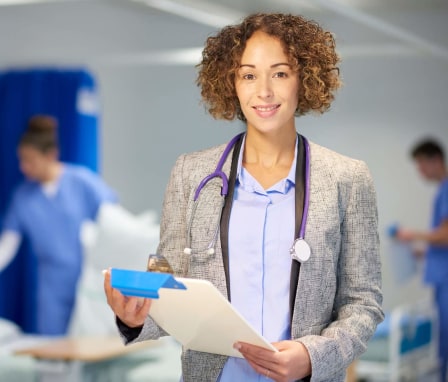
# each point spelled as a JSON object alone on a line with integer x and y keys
{"x": 404, "y": 347}
{"x": 13, "y": 368}
{"x": 30, "y": 358}
{"x": 118, "y": 239}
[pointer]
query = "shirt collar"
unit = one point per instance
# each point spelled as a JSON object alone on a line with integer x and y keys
{"x": 282, "y": 186}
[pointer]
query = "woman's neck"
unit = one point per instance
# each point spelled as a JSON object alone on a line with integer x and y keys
{"x": 268, "y": 159}
{"x": 268, "y": 151}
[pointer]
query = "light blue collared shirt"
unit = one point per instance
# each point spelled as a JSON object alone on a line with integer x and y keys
{"x": 261, "y": 232}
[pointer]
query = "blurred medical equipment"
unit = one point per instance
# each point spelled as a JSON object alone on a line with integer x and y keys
{"x": 403, "y": 262}
{"x": 117, "y": 239}
{"x": 13, "y": 368}
{"x": 120, "y": 239}
{"x": 404, "y": 347}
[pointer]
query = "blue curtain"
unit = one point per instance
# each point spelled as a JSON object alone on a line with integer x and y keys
{"x": 70, "y": 96}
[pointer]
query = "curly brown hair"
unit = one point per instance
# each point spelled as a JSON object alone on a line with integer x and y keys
{"x": 310, "y": 49}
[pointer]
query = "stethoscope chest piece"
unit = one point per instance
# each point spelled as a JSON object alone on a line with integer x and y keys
{"x": 300, "y": 250}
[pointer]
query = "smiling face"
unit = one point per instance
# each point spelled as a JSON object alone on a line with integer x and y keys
{"x": 266, "y": 85}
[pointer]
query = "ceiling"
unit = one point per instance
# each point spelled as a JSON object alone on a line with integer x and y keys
{"x": 148, "y": 32}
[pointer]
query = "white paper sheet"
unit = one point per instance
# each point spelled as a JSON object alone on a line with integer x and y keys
{"x": 202, "y": 319}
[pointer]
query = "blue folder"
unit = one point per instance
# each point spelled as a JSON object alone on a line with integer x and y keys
{"x": 142, "y": 284}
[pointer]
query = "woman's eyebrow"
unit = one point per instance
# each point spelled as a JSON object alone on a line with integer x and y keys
{"x": 272, "y": 66}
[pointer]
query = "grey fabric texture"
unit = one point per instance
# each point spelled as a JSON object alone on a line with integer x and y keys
{"x": 338, "y": 299}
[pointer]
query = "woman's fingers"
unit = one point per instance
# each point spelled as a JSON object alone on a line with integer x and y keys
{"x": 131, "y": 310}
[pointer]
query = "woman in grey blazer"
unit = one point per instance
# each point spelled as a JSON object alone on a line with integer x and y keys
{"x": 319, "y": 312}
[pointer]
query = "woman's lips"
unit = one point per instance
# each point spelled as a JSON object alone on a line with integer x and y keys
{"x": 266, "y": 110}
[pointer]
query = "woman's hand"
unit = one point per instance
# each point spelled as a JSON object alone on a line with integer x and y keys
{"x": 132, "y": 311}
{"x": 290, "y": 363}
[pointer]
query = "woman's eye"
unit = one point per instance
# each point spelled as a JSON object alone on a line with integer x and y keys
{"x": 280, "y": 75}
{"x": 248, "y": 76}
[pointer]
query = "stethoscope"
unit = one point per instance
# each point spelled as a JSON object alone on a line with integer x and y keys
{"x": 300, "y": 249}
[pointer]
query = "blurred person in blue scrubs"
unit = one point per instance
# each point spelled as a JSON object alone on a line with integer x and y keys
{"x": 47, "y": 209}
{"x": 429, "y": 158}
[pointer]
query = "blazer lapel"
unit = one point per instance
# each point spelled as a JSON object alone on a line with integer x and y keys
{"x": 225, "y": 217}
{"x": 299, "y": 207}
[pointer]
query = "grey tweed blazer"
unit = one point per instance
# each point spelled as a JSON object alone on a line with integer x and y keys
{"x": 338, "y": 300}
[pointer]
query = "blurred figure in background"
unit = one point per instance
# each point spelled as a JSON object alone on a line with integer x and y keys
{"x": 430, "y": 161}
{"x": 47, "y": 209}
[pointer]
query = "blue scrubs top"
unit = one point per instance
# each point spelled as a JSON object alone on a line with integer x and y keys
{"x": 52, "y": 225}
{"x": 436, "y": 271}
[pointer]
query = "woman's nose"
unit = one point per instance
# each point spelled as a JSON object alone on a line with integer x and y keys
{"x": 264, "y": 88}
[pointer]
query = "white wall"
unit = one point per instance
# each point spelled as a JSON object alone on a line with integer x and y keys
{"x": 151, "y": 113}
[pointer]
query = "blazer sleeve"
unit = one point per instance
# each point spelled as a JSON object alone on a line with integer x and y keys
{"x": 357, "y": 307}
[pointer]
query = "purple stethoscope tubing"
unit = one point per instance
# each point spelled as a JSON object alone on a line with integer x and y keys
{"x": 218, "y": 173}
{"x": 300, "y": 249}
{"x": 306, "y": 202}
{"x": 218, "y": 170}
{"x": 225, "y": 182}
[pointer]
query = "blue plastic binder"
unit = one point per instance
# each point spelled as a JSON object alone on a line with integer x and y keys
{"x": 142, "y": 284}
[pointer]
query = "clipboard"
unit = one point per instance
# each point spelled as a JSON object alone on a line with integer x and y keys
{"x": 193, "y": 311}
